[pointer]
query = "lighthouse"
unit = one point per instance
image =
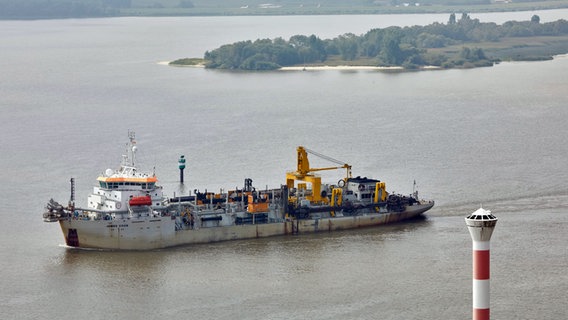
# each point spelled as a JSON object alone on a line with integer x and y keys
{"x": 480, "y": 225}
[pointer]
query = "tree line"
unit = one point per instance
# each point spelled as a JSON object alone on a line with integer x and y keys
{"x": 33, "y": 9}
{"x": 48, "y": 9}
{"x": 392, "y": 46}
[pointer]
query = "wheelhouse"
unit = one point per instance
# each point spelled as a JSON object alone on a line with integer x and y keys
{"x": 148, "y": 183}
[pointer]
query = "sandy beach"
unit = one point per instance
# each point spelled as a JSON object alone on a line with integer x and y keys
{"x": 310, "y": 68}
{"x": 317, "y": 68}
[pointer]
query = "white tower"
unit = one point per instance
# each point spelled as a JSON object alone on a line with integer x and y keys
{"x": 480, "y": 225}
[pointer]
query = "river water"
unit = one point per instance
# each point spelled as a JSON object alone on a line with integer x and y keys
{"x": 71, "y": 89}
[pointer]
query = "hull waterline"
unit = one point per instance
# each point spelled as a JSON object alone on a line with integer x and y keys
{"x": 141, "y": 235}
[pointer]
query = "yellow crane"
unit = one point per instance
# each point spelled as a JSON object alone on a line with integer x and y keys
{"x": 304, "y": 173}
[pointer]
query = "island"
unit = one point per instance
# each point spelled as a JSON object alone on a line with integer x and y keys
{"x": 460, "y": 43}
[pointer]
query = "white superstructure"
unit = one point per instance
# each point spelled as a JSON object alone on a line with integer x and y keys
{"x": 117, "y": 187}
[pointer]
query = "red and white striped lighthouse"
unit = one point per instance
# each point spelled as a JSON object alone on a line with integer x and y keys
{"x": 480, "y": 225}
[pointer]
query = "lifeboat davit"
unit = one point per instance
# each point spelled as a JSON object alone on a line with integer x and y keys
{"x": 140, "y": 201}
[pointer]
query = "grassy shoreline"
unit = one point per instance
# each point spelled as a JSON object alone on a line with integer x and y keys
{"x": 346, "y": 10}
{"x": 517, "y": 48}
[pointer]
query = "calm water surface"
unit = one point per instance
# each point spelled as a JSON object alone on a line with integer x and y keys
{"x": 70, "y": 90}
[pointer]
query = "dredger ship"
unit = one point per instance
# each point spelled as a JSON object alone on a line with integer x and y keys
{"x": 127, "y": 209}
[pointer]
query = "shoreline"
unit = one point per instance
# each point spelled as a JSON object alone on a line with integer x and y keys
{"x": 315, "y": 68}
{"x": 348, "y": 68}
{"x": 354, "y": 68}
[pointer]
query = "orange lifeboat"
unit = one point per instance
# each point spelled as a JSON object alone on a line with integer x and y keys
{"x": 140, "y": 201}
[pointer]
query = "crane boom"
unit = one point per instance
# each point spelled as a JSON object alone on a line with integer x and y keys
{"x": 304, "y": 172}
{"x": 304, "y": 164}
{"x": 323, "y": 156}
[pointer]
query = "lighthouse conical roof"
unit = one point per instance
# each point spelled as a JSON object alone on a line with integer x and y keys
{"x": 481, "y": 214}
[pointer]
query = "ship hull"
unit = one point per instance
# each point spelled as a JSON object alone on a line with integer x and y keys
{"x": 160, "y": 232}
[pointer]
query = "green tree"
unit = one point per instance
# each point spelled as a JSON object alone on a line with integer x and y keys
{"x": 318, "y": 47}
{"x": 372, "y": 43}
{"x": 452, "y": 19}
{"x": 348, "y": 46}
{"x": 427, "y": 40}
{"x": 472, "y": 55}
{"x": 391, "y": 53}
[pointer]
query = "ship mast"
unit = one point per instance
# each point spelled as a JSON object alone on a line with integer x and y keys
{"x": 129, "y": 159}
{"x": 128, "y": 165}
{"x": 132, "y": 148}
